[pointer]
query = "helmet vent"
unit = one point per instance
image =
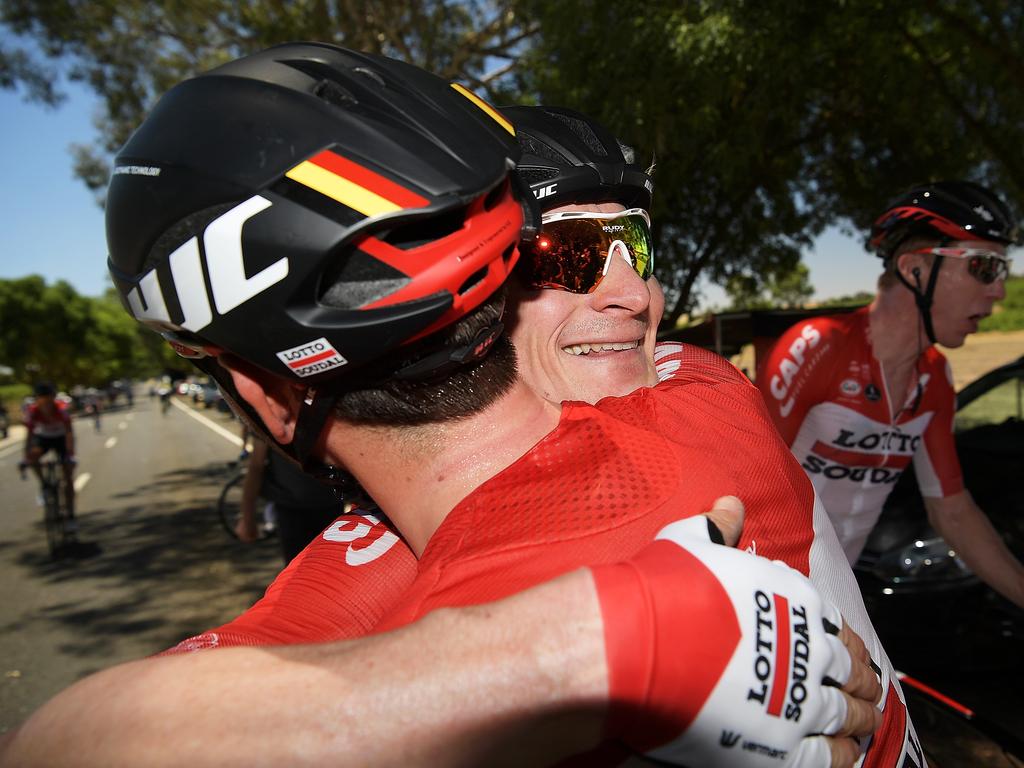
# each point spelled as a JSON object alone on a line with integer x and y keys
{"x": 331, "y": 92}
{"x": 494, "y": 197}
{"x": 537, "y": 148}
{"x": 330, "y": 84}
{"x": 583, "y": 131}
{"x": 534, "y": 176}
{"x": 356, "y": 279}
{"x": 628, "y": 153}
{"x": 417, "y": 233}
{"x": 472, "y": 281}
{"x": 369, "y": 73}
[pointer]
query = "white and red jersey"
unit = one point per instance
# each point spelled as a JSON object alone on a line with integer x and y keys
{"x": 42, "y": 424}
{"x": 595, "y": 490}
{"x": 827, "y": 394}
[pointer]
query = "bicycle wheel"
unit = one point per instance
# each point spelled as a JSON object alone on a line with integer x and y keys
{"x": 53, "y": 517}
{"x": 229, "y": 507}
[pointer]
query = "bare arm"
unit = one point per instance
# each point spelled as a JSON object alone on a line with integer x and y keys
{"x": 522, "y": 681}
{"x": 256, "y": 464}
{"x": 967, "y": 529}
{"x": 363, "y": 702}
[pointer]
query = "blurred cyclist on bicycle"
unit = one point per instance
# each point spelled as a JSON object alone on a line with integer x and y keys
{"x": 49, "y": 429}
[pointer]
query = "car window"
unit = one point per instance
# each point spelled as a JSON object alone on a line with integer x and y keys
{"x": 1002, "y": 402}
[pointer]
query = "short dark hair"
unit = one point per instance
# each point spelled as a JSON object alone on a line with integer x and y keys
{"x": 888, "y": 277}
{"x": 466, "y": 391}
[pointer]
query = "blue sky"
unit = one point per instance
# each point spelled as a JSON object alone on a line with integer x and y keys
{"x": 53, "y": 227}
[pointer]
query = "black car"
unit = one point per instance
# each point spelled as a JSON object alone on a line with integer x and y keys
{"x": 938, "y": 622}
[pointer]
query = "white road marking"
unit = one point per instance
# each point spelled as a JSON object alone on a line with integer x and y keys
{"x": 9, "y": 449}
{"x": 231, "y": 437}
{"x": 122, "y": 426}
{"x": 110, "y": 443}
{"x": 81, "y": 480}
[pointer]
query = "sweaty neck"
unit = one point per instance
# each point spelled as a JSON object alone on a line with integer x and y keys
{"x": 896, "y": 329}
{"x": 417, "y": 475}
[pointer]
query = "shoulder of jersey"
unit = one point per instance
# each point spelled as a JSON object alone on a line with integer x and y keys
{"x": 688, "y": 363}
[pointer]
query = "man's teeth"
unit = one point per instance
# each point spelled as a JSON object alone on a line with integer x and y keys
{"x": 586, "y": 349}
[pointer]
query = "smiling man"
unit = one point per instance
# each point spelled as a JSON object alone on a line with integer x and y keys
{"x": 583, "y": 317}
{"x": 355, "y": 249}
{"x": 598, "y": 344}
{"x": 860, "y": 396}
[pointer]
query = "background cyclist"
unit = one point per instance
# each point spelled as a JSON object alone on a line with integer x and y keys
{"x": 860, "y": 396}
{"x": 49, "y": 429}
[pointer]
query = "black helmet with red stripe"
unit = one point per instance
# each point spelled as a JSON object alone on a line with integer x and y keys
{"x": 946, "y": 211}
{"x": 314, "y": 211}
{"x": 309, "y": 209}
{"x": 570, "y": 158}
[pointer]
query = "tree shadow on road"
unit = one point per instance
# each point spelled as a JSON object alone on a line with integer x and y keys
{"x": 165, "y": 571}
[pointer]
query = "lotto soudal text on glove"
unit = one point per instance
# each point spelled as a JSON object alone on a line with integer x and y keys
{"x": 718, "y": 657}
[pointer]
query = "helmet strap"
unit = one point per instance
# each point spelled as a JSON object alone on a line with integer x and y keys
{"x": 309, "y": 423}
{"x": 313, "y": 414}
{"x": 445, "y": 361}
{"x": 923, "y": 298}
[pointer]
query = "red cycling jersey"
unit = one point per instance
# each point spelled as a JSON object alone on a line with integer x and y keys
{"x": 595, "y": 490}
{"x": 50, "y": 425}
{"x": 827, "y": 394}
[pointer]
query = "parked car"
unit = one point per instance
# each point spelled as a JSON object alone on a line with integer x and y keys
{"x": 209, "y": 395}
{"x": 938, "y": 622}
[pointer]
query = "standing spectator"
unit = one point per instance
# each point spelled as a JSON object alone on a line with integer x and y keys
{"x": 301, "y": 506}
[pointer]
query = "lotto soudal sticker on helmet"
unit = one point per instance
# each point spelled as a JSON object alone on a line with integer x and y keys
{"x": 311, "y": 358}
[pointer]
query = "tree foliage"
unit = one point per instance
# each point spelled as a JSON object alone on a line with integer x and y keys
{"x": 772, "y": 120}
{"x": 131, "y": 51}
{"x": 51, "y": 332}
{"x": 789, "y": 290}
{"x": 769, "y": 121}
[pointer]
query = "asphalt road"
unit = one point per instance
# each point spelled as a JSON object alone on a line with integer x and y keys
{"x": 162, "y": 568}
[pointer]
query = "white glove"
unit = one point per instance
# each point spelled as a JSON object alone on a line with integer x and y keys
{"x": 718, "y": 657}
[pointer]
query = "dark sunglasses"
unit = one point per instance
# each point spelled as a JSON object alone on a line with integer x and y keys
{"x": 573, "y": 251}
{"x": 982, "y": 264}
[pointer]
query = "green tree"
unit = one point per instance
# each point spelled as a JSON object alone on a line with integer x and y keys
{"x": 51, "y": 332}
{"x": 771, "y": 120}
{"x": 789, "y": 290}
{"x": 132, "y": 51}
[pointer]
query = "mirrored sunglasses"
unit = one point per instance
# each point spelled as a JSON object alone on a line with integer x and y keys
{"x": 982, "y": 264}
{"x": 574, "y": 249}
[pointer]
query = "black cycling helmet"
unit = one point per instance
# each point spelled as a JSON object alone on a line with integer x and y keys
{"x": 44, "y": 389}
{"x": 309, "y": 209}
{"x": 569, "y": 158}
{"x": 946, "y": 211}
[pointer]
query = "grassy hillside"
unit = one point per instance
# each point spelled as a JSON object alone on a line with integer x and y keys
{"x": 1009, "y": 314}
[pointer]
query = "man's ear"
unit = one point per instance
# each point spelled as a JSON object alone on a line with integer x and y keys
{"x": 913, "y": 267}
{"x": 276, "y": 402}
